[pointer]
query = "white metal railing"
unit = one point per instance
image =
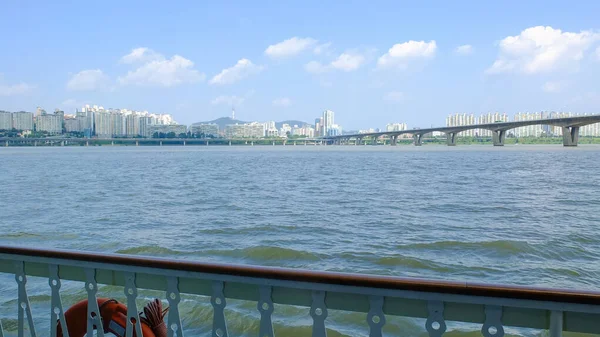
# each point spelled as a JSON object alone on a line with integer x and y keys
{"x": 493, "y": 307}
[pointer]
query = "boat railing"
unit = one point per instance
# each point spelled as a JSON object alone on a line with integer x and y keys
{"x": 492, "y": 307}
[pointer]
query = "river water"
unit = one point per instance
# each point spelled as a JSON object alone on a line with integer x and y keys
{"x": 525, "y": 215}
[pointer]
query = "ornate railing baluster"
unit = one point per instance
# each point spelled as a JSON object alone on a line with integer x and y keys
{"x": 556, "y": 323}
{"x": 375, "y": 317}
{"x": 435, "y": 324}
{"x": 318, "y": 311}
{"x": 219, "y": 328}
{"x": 56, "y": 308}
{"x": 93, "y": 312}
{"x": 133, "y": 317}
{"x": 265, "y": 306}
{"x": 1, "y": 329}
{"x": 173, "y": 296}
{"x": 492, "y": 327}
{"x": 23, "y": 302}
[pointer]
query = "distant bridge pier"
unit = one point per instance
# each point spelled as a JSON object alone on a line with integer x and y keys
{"x": 184, "y": 142}
{"x": 498, "y": 137}
{"x": 418, "y": 139}
{"x": 160, "y": 143}
{"x": 229, "y": 143}
{"x": 207, "y": 143}
{"x": 112, "y": 143}
{"x": 451, "y": 138}
{"x": 137, "y": 143}
{"x": 374, "y": 140}
{"x": 6, "y": 143}
{"x": 570, "y": 135}
{"x": 394, "y": 140}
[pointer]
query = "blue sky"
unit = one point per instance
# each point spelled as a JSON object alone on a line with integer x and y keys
{"x": 372, "y": 62}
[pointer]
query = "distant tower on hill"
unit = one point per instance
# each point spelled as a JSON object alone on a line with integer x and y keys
{"x": 232, "y": 113}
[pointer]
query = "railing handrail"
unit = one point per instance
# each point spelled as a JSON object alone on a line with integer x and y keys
{"x": 324, "y": 277}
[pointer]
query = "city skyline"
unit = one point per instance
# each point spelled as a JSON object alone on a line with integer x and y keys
{"x": 484, "y": 57}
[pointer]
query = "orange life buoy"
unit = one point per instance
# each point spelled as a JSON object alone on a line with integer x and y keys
{"x": 114, "y": 317}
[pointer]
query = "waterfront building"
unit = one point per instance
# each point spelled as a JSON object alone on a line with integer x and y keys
{"x": 396, "y": 127}
{"x": 71, "y": 124}
{"x": 284, "y": 130}
{"x": 102, "y": 123}
{"x": 22, "y": 121}
{"x": 328, "y": 121}
{"x": 50, "y": 123}
{"x": 166, "y": 129}
{"x": 205, "y": 129}
{"x": 248, "y": 130}
{"x": 6, "y": 121}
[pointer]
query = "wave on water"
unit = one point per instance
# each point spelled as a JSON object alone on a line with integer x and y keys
{"x": 150, "y": 250}
{"x": 266, "y": 253}
{"x": 498, "y": 246}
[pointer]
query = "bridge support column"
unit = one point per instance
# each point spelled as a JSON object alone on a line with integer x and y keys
{"x": 451, "y": 138}
{"x": 229, "y": 143}
{"x": 570, "y": 135}
{"x": 112, "y": 143}
{"x": 35, "y": 143}
{"x": 418, "y": 139}
{"x": 394, "y": 140}
{"x": 87, "y": 143}
{"x": 161, "y": 143}
{"x": 374, "y": 140}
{"x": 137, "y": 143}
{"x": 62, "y": 143}
{"x": 184, "y": 143}
{"x": 6, "y": 143}
{"x": 498, "y": 137}
{"x": 207, "y": 143}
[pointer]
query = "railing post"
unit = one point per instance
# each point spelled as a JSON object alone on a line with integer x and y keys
{"x": 376, "y": 317}
{"x": 133, "y": 318}
{"x": 318, "y": 311}
{"x": 56, "y": 310}
{"x": 174, "y": 298}
{"x": 492, "y": 327}
{"x": 435, "y": 325}
{"x": 23, "y": 302}
{"x": 556, "y": 323}
{"x": 93, "y": 312}
{"x": 219, "y": 328}
{"x": 265, "y": 307}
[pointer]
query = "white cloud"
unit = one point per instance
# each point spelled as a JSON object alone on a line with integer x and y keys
{"x": 553, "y": 86}
{"x": 141, "y": 55}
{"x": 289, "y": 47}
{"x": 542, "y": 49}
{"x": 315, "y": 67}
{"x": 243, "y": 68}
{"x": 228, "y": 100}
{"x": 282, "y": 102}
{"x": 598, "y": 53}
{"x": 322, "y": 48}
{"x": 165, "y": 72}
{"x": 402, "y": 53}
{"x": 465, "y": 49}
{"x": 85, "y": 80}
{"x": 14, "y": 89}
{"x": 394, "y": 96}
{"x": 348, "y": 62}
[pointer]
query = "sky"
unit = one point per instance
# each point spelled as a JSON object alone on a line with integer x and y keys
{"x": 371, "y": 62}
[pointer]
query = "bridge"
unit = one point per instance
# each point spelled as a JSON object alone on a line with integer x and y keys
{"x": 570, "y": 130}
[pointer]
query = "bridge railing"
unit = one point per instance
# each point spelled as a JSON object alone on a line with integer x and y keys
{"x": 493, "y": 308}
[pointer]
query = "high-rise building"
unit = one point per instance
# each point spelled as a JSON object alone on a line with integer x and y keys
{"x": 396, "y": 127}
{"x": 22, "y": 120}
{"x": 6, "y": 122}
{"x": 328, "y": 121}
{"x": 52, "y": 124}
{"x": 205, "y": 130}
{"x": 102, "y": 124}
